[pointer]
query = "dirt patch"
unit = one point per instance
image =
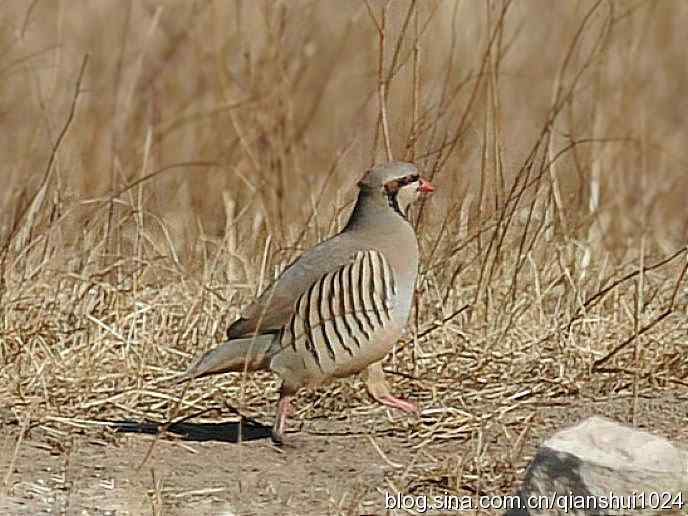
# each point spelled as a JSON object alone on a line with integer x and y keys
{"x": 197, "y": 471}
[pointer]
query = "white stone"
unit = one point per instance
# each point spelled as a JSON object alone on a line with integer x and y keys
{"x": 600, "y": 461}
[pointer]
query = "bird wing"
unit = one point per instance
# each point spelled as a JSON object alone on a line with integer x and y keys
{"x": 272, "y": 309}
{"x": 334, "y": 322}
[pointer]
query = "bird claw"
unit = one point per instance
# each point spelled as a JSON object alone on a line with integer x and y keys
{"x": 400, "y": 404}
{"x": 277, "y": 438}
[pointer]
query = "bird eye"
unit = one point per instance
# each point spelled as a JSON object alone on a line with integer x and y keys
{"x": 407, "y": 180}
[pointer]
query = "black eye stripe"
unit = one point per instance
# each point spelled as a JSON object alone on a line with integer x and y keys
{"x": 410, "y": 179}
{"x": 401, "y": 182}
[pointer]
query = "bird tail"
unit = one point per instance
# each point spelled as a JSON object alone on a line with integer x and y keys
{"x": 245, "y": 354}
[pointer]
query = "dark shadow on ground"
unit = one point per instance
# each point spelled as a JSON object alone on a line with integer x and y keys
{"x": 224, "y": 432}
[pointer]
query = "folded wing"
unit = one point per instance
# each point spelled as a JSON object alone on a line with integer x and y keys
{"x": 338, "y": 318}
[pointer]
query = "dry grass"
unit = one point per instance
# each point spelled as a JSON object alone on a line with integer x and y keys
{"x": 163, "y": 161}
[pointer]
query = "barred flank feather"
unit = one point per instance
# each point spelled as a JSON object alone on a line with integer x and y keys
{"x": 340, "y": 313}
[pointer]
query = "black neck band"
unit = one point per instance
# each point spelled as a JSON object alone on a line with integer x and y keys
{"x": 394, "y": 203}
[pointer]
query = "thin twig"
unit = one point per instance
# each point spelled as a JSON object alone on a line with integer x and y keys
{"x": 47, "y": 174}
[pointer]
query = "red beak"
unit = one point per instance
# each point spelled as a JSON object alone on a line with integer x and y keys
{"x": 425, "y": 186}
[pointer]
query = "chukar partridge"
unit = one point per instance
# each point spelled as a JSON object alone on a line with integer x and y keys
{"x": 341, "y": 306}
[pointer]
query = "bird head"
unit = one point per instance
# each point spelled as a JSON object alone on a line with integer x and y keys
{"x": 398, "y": 183}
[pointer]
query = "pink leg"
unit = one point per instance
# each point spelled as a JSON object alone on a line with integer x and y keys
{"x": 280, "y": 425}
{"x": 379, "y": 390}
{"x": 398, "y": 403}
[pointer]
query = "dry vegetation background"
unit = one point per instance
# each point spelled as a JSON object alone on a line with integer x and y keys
{"x": 163, "y": 160}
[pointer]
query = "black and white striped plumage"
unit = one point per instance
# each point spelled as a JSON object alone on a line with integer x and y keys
{"x": 342, "y": 313}
{"x": 341, "y": 306}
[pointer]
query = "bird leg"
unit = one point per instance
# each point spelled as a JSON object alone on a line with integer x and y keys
{"x": 398, "y": 403}
{"x": 283, "y": 406}
{"x": 379, "y": 390}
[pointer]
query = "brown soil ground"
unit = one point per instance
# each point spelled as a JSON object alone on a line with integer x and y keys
{"x": 198, "y": 469}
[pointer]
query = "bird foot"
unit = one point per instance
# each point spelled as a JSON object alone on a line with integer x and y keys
{"x": 280, "y": 426}
{"x": 398, "y": 403}
{"x": 277, "y": 437}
